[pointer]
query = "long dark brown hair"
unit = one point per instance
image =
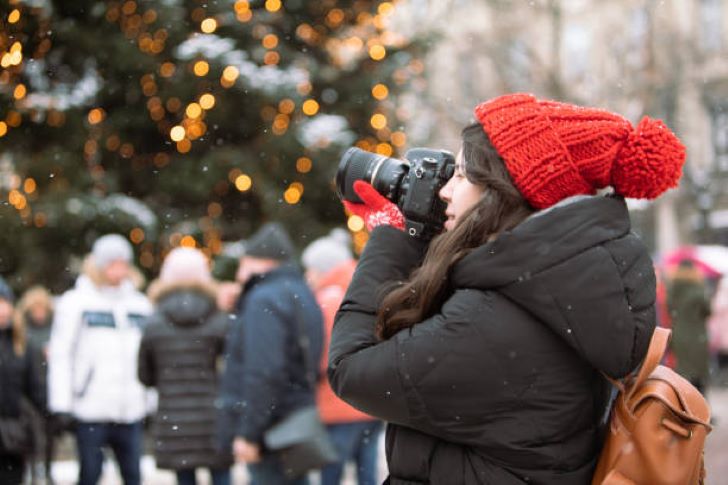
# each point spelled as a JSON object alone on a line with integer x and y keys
{"x": 500, "y": 208}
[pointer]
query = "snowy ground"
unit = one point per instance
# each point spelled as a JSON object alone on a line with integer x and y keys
{"x": 65, "y": 472}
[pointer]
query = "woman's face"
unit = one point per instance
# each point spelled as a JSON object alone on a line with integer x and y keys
{"x": 38, "y": 313}
{"x": 116, "y": 272}
{"x": 459, "y": 194}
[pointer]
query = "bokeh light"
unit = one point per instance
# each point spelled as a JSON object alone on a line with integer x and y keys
{"x": 355, "y": 223}
{"x": 136, "y": 235}
{"x": 177, "y": 133}
{"x": 310, "y": 107}
{"x": 273, "y": 5}
{"x": 96, "y": 116}
{"x": 378, "y": 121}
{"x": 243, "y": 182}
{"x": 377, "y": 52}
{"x": 201, "y": 68}
{"x": 193, "y": 110}
{"x": 380, "y": 91}
{"x": 208, "y": 26}
{"x": 207, "y": 101}
{"x": 303, "y": 165}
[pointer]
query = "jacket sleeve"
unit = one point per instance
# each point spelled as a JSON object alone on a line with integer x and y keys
{"x": 362, "y": 370}
{"x": 264, "y": 364}
{"x": 33, "y": 382}
{"x": 61, "y": 349}
{"x": 220, "y": 327}
{"x": 146, "y": 368}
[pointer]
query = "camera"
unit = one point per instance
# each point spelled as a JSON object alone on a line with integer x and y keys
{"x": 412, "y": 184}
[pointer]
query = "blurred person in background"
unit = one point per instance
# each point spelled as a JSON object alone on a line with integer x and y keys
{"x": 689, "y": 306}
{"x": 718, "y": 322}
{"x": 179, "y": 355}
{"x": 94, "y": 346}
{"x": 265, "y": 375}
{"x": 329, "y": 267}
{"x": 20, "y": 385}
{"x": 35, "y": 309}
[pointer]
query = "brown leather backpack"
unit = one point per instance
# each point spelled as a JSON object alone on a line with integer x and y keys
{"x": 657, "y": 428}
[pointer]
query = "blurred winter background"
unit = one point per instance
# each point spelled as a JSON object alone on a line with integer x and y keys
{"x": 190, "y": 122}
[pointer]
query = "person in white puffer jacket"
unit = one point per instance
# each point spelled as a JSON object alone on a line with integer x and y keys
{"x": 93, "y": 351}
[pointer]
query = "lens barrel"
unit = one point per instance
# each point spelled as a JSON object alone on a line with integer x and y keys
{"x": 384, "y": 174}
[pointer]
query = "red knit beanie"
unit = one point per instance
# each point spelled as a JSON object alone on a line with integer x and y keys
{"x": 555, "y": 150}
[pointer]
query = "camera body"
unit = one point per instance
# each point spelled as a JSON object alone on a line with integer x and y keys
{"x": 412, "y": 184}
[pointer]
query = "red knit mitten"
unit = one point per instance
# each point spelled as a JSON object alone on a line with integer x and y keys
{"x": 376, "y": 209}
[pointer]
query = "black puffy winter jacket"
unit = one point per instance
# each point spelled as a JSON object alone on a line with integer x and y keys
{"x": 178, "y": 355}
{"x": 504, "y": 384}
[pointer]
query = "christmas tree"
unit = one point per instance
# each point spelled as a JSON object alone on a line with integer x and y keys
{"x": 184, "y": 122}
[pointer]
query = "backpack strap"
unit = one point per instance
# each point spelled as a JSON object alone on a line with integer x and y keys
{"x": 658, "y": 345}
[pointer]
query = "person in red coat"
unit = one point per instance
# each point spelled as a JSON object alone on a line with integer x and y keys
{"x": 329, "y": 267}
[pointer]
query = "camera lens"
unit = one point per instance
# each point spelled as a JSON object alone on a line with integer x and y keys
{"x": 384, "y": 174}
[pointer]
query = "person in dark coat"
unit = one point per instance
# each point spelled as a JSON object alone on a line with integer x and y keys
{"x": 35, "y": 309}
{"x": 19, "y": 386}
{"x": 265, "y": 375}
{"x": 486, "y": 350}
{"x": 687, "y": 300}
{"x": 179, "y": 354}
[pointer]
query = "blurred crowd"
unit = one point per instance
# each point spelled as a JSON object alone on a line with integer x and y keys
{"x": 200, "y": 367}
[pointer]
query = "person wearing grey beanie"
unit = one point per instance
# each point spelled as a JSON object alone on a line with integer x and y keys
{"x": 110, "y": 248}
{"x": 330, "y": 265}
{"x": 323, "y": 254}
{"x": 92, "y": 361}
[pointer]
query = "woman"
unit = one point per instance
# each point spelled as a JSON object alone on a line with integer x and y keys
{"x": 35, "y": 310}
{"x": 179, "y": 355}
{"x": 19, "y": 384}
{"x": 486, "y": 351}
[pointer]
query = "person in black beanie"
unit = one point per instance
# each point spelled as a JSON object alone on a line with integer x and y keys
{"x": 19, "y": 383}
{"x": 265, "y": 378}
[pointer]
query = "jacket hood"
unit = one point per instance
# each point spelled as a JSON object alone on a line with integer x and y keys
{"x": 158, "y": 289}
{"x": 578, "y": 269}
{"x": 186, "y": 306}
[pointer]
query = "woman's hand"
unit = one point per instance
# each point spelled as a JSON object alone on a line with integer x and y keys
{"x": 376, "y": 209}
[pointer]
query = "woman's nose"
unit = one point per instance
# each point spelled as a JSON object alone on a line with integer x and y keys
{"x": 445, "y": 192}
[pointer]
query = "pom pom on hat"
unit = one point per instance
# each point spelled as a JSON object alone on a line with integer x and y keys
{"x": 555, "y": 150}
{"x": 187, "y": 265}
{"x": 110, "y": 248}
{"x": 650, "y": 161}
{"x": 327, "y": 252}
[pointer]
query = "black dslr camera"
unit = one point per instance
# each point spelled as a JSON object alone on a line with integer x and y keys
{"x": 412, "y": 184}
